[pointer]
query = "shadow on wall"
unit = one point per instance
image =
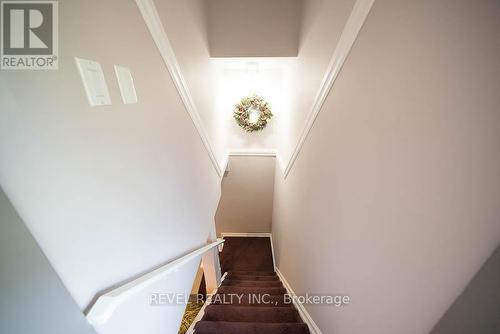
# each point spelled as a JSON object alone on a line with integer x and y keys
{"x": 29, "y": 285}
{"x": 477, "y": 309}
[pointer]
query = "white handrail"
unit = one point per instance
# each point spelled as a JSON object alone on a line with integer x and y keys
{"x": 106, "y": 304}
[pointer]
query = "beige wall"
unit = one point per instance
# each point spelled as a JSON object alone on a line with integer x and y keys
{"x": 108, "y": 192}
{"x": 394, "y": 199}
{"x": 236, "y": 28}
{"x": 321, "y": 26}
{"x": 247, "y": 195}
{"x": 185, "y": 25}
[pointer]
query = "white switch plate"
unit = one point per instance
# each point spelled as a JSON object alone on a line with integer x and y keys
{"x": 126, "y": 83}
{"x": 93, "y": 82}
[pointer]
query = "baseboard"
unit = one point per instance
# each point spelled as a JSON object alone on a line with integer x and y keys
{"x": 306, "y": 317}
{"x": 257, "y": 234}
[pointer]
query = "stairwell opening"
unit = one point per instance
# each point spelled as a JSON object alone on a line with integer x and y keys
{"x": 197, "y": 298}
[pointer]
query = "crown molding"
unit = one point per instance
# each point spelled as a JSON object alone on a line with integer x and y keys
{"x": 153, "y": 22}
{"x": 351, "y": 30}
{"x": 246, "y": 235}
{"x": 252, "y": 153}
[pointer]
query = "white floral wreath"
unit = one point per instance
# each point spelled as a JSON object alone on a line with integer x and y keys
{"x": 252, "y": 113}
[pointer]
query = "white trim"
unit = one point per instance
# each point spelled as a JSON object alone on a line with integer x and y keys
{"x": 272, "y": 250}
{"x": 153, "y": 22}
{"x": 306, "y": 317}
{"x": 106, "y": 304}
{"x": 259, "y": 153}
{"x": 224, "y": 164}
{"x": 255, "y": 235}
{"x": 250, "y": 153}
{"x": 351, "y": 30}
{"x": 280, "y": 161}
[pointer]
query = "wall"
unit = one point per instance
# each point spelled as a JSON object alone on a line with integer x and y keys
{"x": 269, "y": 78}
{"x": 29, "y": 285}
{"x": 236, "y": 27}
{"x": 289, "y": 84}
{"x": 186, "y": 28}
{"x": 246, "y": 203}
{"x": 218, "y": 84}
{"x": 107, "y": 192}
{"x": 322, "y": 23}
{"x": 476, "y": 309}
{"x": 395, "y": 196}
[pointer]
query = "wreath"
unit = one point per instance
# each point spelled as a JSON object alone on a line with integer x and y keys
{"x": 252, "y": 113}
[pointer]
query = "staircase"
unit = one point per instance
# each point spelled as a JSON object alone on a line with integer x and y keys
{"x": 251, "y": 299}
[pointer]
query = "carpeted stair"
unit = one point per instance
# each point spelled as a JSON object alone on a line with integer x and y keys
{"x": 251, "y": 298}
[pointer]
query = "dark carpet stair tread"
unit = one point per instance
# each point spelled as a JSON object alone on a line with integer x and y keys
{"x": 255, "y": 290}
{"x": 252, "y": 278}
{"x": 251, "y": 314}
{"x": 251, "y": 300}
{"x": 252, "y": 273}
{"x": 248, "y": 283}
{"x": 220, "y": 327}
{"x": 247, "y": 254}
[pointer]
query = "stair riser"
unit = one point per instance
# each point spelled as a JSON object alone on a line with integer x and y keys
{"x": 251, "y": 314}
{"x": 267, "y": 284}
{"x": 251, "y": 290}
{"x": 210, "y": 327}
{"x": 253, "y": 273}
{"x": 251, "y": 300}
{"x": 252, "y": 278}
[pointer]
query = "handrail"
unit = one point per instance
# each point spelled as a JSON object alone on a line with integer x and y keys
{"x": 106, "y": 304}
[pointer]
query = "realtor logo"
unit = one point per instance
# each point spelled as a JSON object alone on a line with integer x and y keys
{"x": 29, "y": 35}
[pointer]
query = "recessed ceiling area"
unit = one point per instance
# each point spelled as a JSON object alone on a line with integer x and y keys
{"x": 287, "y": 80}
{"x": 257, "y": 28}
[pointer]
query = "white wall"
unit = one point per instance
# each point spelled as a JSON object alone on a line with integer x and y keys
{"x": 289, "y": 84}
{"x": 394, "y": 199}
{"x": 269, "y": 78}
{"x": 107, "y": 192}
{"x": 30, "y": 287}
{"x": 246, "y": 203}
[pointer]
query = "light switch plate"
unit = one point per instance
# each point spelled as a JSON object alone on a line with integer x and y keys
{"x": 126, "y": 83}
{"x": 93, "y": 82}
